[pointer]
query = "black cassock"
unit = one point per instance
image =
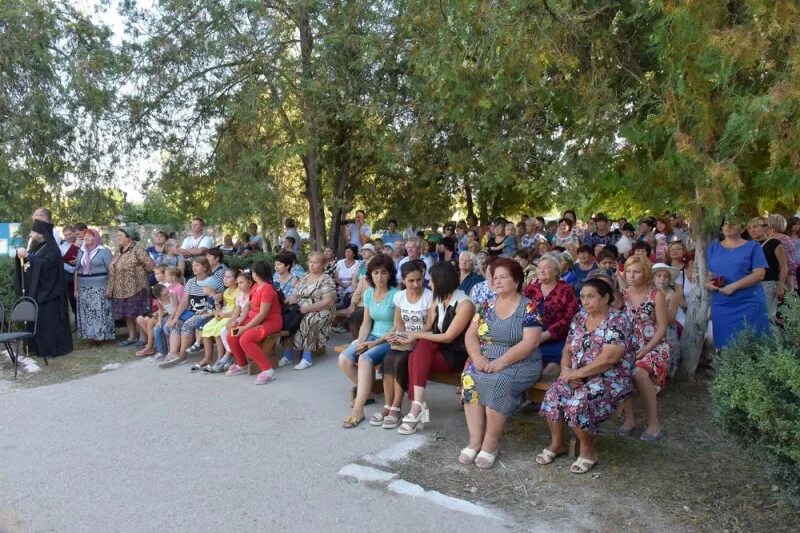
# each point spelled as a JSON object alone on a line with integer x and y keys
{"x": 45, "y": 283}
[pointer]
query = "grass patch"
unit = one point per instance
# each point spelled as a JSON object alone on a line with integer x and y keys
{"x": 86, "y": 359}
{"x": 697, "y": 479}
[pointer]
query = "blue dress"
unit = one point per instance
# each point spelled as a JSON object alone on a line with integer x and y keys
{"x": 745, "y": 307}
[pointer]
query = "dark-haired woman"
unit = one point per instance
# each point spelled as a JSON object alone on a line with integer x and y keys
{"x": 369, "y": 349}
{"x": 565, "y": 237}
{"x": 440, "y": 345}
{"x": 345, "y": 275}
{"x": 411, "y": 308}
{"x": 596, "y": 375}
{"x": 283, "y": 276}
{"x": 504, "y": 362}
{"x": 263, "y": 319}
{"x": 127, "y": 281}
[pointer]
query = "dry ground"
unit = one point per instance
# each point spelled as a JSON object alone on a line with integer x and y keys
{"x": 86, "y": 359}
{"x": 695, "y": 480}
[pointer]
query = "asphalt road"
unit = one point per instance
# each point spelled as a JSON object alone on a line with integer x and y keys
{"x": 144, "y": 449}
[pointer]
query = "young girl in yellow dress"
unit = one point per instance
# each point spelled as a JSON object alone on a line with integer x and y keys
{"x": 222, "y": 314}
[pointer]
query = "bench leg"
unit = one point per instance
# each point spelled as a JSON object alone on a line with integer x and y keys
{"x": 574, "y": 447}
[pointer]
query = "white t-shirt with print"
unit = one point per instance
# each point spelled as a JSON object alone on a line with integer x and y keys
{"x": 415, "y": 315}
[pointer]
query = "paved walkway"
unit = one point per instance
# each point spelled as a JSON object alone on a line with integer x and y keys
{"x": 145, "y": 449}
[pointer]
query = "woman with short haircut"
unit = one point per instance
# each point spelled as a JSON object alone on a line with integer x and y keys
{"x": 467, "y": 276}
{"x": 556, "y": 304}
{"x": 735, "y": 270}
{"x": 504, "y": 362}
{"x": 283, "y": 276}
{"x": 371, "y": 346}
{"x": 775, "y": 277}
{"x": 776, "y": 229}
{"x": 346, "y": 271}
{"x": 565, "y": 237}
{"x": 596, "y": 376}
{"x": 646, "y": 309}
{"x": 127, "y": 281}
{"x": 315, "y": 293}
{"x": 525, "y": 258}
{"x": 440, "y": 345}
{"x": 411, "y": 307}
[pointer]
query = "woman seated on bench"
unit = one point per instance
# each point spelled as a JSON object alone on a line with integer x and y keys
{"x": 411, "y": 307}
{"x": 555, "y": 301}
{"x": 316, "y": 295}
{"x": 596, "y": 375}
{"x": 504, "y": 361}
{"x": 263, "y": 319}
{"x": 369, "y": 349}
{"x": 440, "y": 346}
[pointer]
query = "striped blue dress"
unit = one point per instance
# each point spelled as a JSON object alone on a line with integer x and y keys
{"x": 504, "y": 391}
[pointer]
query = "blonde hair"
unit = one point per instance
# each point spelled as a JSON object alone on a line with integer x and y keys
{"x": 777, "y": 222}
{"x": 646, "y": 266}
{"x": 177, "y": 273}
{"x": 757, "y": 221}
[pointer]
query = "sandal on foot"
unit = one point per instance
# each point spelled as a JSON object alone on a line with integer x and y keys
{"x": 467, "y": 456}
{"x": 582, "y": 465}
{"x": 547, "y": 456}
{"x": 391, "y": 421}
{"x": 378, "y": 418}
{"x": 196, "y": 368}
{"x": 350, "y": 422}
{"x": 622, "y": 431}
{"x": 647, "y": 437}
{"x": 411, "y": 423}
{"x": 485, "y": 460}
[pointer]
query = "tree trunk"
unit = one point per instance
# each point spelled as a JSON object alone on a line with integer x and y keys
{"x": 316, "y": 208}
{"x": 696, "y": 325}
{"x": 468, "y": 194}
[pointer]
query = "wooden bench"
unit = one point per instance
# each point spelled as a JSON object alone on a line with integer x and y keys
{"x": 268, "y": 346}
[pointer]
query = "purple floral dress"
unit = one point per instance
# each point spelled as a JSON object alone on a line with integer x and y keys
{"x": 643, "y": 318}
{"x": 595, "y": 401}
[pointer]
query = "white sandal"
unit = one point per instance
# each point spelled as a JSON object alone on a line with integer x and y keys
{"x": 378, "y": 418}
{"x": 582, "y": 465}
{"x": 485, "y": 460}
{"x": 467, "y": 456}
{"x": 411, "y": 423}
{"x": 547, "y": 456}
{"x": 390, "y": 421}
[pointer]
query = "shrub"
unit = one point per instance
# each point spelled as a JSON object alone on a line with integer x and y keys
{"x": 267, "y": 257}
{"x": 7, "y": 295}
{"x": 757, "y": 399}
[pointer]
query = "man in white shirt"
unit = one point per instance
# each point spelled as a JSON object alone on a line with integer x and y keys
{"x": 359, "y": 230}
{"x": 197, "y": 242}
{"x": 413, "y": 251}
{"x": 291, "y": 231}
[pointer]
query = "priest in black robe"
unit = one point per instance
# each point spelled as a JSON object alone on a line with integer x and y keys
{"x": 42, "y": 269}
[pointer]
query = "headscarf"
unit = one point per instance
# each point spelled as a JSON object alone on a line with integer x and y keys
{"x": 131, "y": 232}
{"x": 86, "y": 263}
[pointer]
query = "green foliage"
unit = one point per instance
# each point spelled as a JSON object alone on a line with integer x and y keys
{"x": 757, "y": 399}
{"x": 57, "y": 70}
{"x": 7, "y": 295}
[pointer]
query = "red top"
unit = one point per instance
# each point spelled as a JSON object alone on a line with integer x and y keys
{"x": 264, "y": 294}
{"x": 556, "y": 311}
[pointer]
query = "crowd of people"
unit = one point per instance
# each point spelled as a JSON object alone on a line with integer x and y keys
{"x": 596, "y": 307}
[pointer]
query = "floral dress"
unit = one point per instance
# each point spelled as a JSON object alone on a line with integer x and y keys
{"x": 597, "y": 398}
{"x": 315, "y": 328}
{"x": 643, "y": 319}
{"x": 502, "y": 391}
